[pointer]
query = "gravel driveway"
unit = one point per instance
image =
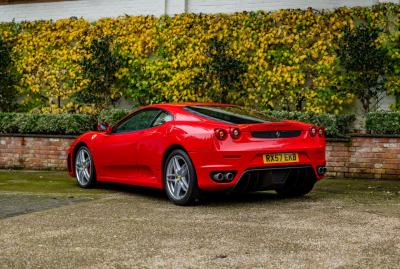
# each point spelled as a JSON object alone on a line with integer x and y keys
{"x": 341, "y": 224}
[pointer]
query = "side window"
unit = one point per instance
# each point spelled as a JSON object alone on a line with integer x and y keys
{"x": 162, "y": 118}
{"x": 139, "y": 121}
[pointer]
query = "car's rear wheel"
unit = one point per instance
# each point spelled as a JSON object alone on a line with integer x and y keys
{"x": 297, "y": 189}
{"x": 180, "y": 178}
{"x": 84, "y": 168}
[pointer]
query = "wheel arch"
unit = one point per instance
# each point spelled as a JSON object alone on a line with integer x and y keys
{"x": 74, "y": 151}
{"x": 170, "y": 149}
{"x": 77, "y": 146}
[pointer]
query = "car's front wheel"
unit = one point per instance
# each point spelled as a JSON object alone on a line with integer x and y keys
{"x": 180, "y": 178}
{"x": 84, "y": 168}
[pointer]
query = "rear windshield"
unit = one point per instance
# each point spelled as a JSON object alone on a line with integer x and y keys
{"x": 230, "y": 114}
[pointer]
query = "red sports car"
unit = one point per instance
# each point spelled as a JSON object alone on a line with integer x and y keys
{"x": 188, "y": 148}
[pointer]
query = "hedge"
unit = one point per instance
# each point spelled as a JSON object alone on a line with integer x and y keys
{"x": 56, "y": 124}
{"x": 335, "y": 125}
{"x": 74, "y": 124}
{"x": 383, "y": 122}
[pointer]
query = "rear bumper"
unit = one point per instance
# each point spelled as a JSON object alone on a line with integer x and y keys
{"x": 250, "y": 166}
{"x": 272, "y": 178}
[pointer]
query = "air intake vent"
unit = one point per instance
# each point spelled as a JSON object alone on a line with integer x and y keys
{"x": 275, "y": 134}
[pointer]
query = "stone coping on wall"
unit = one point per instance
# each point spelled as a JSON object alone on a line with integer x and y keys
{"x": 338, "y": 139}
{"x": 38, "y": 135}
{"x": 376, "y": 135}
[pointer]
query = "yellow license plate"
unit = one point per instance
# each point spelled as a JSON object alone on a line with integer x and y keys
{"x": 281, "y": 158}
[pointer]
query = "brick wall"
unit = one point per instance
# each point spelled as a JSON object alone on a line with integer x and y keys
{"x": 357, "y": 157}
{"x": 34, "y": 152}
{"x": 364, "y": 157}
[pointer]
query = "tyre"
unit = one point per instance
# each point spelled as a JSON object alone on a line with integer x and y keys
{"x": 180, "y": 179}
{"x": 84, "y": 168}
{"x": 298, "y": 189}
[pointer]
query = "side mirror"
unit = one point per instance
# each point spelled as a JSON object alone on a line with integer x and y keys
{"x": 104, "y": 127}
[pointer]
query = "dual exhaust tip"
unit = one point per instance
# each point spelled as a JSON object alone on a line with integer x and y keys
{"x": 321, "y": 170}
{"x": 223, "y": 176}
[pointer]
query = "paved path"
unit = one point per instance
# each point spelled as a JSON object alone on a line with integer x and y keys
{"x": 139, "y": 228}
{"x": 12, "y": 204}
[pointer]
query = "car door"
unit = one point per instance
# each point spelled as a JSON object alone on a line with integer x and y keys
{"x": 116, "y": 153}
{"x": 152, "y": 145}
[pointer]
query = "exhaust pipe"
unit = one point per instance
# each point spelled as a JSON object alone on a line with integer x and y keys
{"x": 218, "y": 176}
{"x": 321, "y": 170}
{"x": 229, "y": 176}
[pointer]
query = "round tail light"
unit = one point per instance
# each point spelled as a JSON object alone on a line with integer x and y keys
{"x": 321, "y": 132}
{"x": 313, "y": 131}
{"x": 220, "y": 134}
{"x": 235, "y": 133}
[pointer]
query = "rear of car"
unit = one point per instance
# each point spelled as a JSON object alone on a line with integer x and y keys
{"x": 252, "y": 152}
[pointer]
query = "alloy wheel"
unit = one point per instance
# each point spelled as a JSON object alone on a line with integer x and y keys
{"x": 177, "y": 177}
{"x": 83, "y": 167}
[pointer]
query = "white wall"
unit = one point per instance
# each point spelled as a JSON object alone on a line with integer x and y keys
{"x": 228, "y": 6}
{"x": 89, "y": 9}
{"x": 94, "y": 9}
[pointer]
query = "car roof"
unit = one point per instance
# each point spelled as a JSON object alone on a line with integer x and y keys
{"x": 172, "y": 105}
{"x": 174, "y": 108}
{"x": 177, "y": 108}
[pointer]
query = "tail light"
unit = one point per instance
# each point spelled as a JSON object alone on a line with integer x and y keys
{"x": 321, "y": 132}
{"x": 220, "y": 134}
{"x": 313, "y": 131}
{"x": 235, "y": 133}
{"x": 317, "y": 130}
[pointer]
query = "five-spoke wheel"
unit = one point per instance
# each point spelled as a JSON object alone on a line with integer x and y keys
{"x": 180, "y": 178}
{"x": 84, "y": 168}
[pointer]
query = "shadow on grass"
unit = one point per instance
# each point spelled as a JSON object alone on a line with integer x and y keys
{"x": 131, "y": 189}
{"x": 59, "y": 183}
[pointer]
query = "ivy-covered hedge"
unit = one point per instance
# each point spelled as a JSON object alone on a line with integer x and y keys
{"x": 281, "y": 60}
{"x": 56, "y": 124}
{"x": 335, "y": 125}
{"x": 383, "y": 122}
{"x": 74, "y": 124}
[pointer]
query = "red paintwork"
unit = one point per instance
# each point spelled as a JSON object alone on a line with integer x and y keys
{"x": 137, "y": 158}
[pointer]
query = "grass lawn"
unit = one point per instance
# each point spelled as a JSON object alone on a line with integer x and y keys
{"x": 59, "y": 183}
{"x": 43, "y": 182}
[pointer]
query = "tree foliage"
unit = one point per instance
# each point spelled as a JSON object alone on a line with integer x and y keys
{"x": 7, "y": 78}
{"x": 98, "y": 70}
{"x": 281, "y": 60}
{"x": 224, "y": 68}
{"x": 365, "y": 64}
